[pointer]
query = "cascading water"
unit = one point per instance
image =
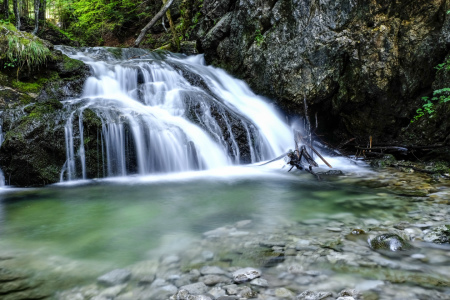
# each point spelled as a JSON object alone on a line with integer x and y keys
{"x": 162, "y": 112}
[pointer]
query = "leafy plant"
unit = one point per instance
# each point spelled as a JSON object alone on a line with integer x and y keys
{"x": 428, "y": 108}
{"x": 10, "y": 64}
{"x": 259, "y": 38}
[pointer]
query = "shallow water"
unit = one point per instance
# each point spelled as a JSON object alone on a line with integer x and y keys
{"x": 118, "y": 222}
{"x": 121, "y": 220}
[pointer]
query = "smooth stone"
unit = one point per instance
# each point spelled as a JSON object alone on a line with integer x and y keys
{"x": 161, "y": 293}
{"x": 158, "y": 282}
{"x": 246, "y": 274}
{"x": 112, "y": 292}
{"x": 245, "y": 292}
{"x": 114, "y": 277}
{"x": 146, "y": 280}
{"x": 259, "y": 282}
{"x": 284, "y": 293}
{"x": 231, "y": 289}
{"x": 195, "y": 288}
{"x": 310, "y": 295}
{"x": 217, "y": 292}
{"x": 214, "y": 279}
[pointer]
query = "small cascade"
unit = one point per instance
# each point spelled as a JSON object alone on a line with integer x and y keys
{"x": 160, "y": 113}
{"x": 2, "y": 176}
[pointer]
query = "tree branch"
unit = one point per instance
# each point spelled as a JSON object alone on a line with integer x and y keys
{"x": 147, "y": 27}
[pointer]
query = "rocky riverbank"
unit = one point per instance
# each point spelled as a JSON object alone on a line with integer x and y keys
{"x": 339, "y": 256}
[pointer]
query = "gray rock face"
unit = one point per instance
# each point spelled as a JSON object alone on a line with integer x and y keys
{"x": 114, "y": 277}
{"x": 357, "y": 62}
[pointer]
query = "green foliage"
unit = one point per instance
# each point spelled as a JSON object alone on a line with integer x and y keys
{"x": 94, "y": 19}
{"x": 26, "y": 52}
{"x": 187, "y": 21}
{"x": 439, "y": 96}
{"x": 259, "y": 38}
{"x": 428, "y": 108}
{"x": 10, "y": 64}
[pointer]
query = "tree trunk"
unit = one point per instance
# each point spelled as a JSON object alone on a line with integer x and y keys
{"x": 147, "y": 27}
{"x": 16, "y": 7}
{"x": 5, "y": 9}
{"x": 176, "y": 41}
{"x": 42, "y": 9}
{"x": 36, "y": 16}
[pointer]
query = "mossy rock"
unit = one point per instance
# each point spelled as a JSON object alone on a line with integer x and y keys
{"x": 383, "y": 162}
{"x": 389, "y": 242}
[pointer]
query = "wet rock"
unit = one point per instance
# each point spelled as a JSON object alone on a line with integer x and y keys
{"x": 389, "y": 241}
{"x": 246, "y": 274}
{"x": 217, "y": 292}
{"x": 214, "y": 279}
{"x": 114, "y": 277}
{"x": 195, "y": 288}
{"x": 110, "y": 293}
{"x": 310, "y": 295}
{"x": 259, "y": 282}
{"x": 284, "y": 293}
{"x": 160, "y": 293}
{"x": 438, "y": 235}
{"x": 350, "y": 294}
{"x": 357, "y": 231}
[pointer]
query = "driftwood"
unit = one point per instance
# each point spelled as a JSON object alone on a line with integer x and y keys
{"x": 312, "y": 148}
{"x": 300, "y": 158}
{"x": 147, "y": 27}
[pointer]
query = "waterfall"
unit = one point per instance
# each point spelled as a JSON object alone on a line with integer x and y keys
{"x": 163, "y": 112}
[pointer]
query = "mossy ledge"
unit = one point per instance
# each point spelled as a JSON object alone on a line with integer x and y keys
{"x": 33, "y": 117}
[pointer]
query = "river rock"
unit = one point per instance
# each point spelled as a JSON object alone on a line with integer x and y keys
{"x": 259, "y": 282}
{"x": 214, "y": 279}
{"x": 310, "y": 295}
{"x": 195, "y": 288}
{"x": 438, "y": 235}
{"x": 389, "y": 241}
{"x": 246, "y": 274}
{"x": 114, "y": 277}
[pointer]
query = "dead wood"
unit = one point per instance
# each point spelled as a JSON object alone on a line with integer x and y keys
{"x": 147, "y": 27}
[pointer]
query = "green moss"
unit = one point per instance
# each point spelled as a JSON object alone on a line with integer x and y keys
{"x": 71, "y": 65}
{"x": 117, "y": 52}
{"x": 27, "y": 87}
